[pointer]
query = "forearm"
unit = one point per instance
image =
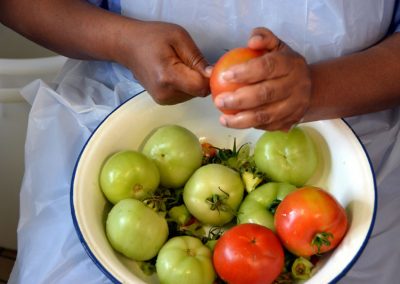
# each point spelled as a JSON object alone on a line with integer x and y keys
{"x": 73, "y": 28}
{"x": 364, "y": 82}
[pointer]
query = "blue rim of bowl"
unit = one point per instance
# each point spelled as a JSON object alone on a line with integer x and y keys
{"x": 114, "y": 280}
{"x": 74, "y": 219}
{"x": 371, "y": 226}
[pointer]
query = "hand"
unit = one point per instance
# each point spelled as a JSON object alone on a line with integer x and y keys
{"x": 165, "y": 60}
{"x": 278, "y": 90}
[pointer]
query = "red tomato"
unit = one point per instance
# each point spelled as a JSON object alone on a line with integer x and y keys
{"x": 248, "y": 253}
{"x": 310, "y": 221}
{"x": 232, "y": 57}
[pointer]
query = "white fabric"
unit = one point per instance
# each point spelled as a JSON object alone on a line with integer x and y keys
{"x": 316, "y": 29}
{"x": 64, "y": 115}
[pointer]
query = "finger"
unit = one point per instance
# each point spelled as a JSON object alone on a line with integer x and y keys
{"x": 269, "y": 66}
{"x": 252, "y": 96}
{"x": 187, "y": 80}
{"x": 278, "y": 112}
{"x": 208, "y": 71}
{"x": 169, "y": 98}
{"x": 190, "y": 54}
{"x": 263, "y": 38}
{"x": 175, "y": 82}
{"x": 282, "y": 125}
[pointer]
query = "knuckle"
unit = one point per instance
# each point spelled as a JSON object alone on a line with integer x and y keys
{"x": 261, "y": 117}
{"x": 197, "y": 59}
{"x": 269, "y": 64}
{"x": 161, "y": 98}
{"x": 163, "y": 80}
{"x": 265, "y": 94}
{"x": 201, "y": 92}
{"x": 178, "y": 32}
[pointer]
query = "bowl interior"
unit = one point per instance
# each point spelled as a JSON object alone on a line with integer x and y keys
{"x": 344, "y": 170}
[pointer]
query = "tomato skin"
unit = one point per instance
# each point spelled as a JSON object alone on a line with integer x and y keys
{"x": 185, "y": 259}
{"x": 135, "y": 230}
{"x": 218, "y": 181}
{"x": 233, "y": 57}
{"x": 128, "y": 174}
{"x": 248, "y": 253}
{"x": 255, "y": 208}
{"x": 176, "y": 151}
{"x": 305, "y": 213}
{"x": 290, "y": 157}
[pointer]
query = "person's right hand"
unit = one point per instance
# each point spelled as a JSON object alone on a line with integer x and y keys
{"x": 165, "y": 60}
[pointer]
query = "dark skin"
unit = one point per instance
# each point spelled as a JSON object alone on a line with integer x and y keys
{"x": 281, "y": 91}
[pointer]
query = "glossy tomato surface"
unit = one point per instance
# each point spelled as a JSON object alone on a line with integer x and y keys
{"x": 233, "y": 57}
{"x": 310, "y": 221}
{"x": 248, "y": 253}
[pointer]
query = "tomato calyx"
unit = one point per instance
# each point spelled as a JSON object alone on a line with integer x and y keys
{"x": 163, "y": 199}
{"x": 218, "y": 202}
{"x": 148, "y": 267}
{"x": 320, "y": 240}
{"x": 273, "y": 206}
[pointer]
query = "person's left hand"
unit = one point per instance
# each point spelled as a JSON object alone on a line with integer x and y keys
{"x": 278, "y": 86}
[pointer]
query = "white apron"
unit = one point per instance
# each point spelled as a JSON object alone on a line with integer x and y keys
{"x": 62, "y": 118}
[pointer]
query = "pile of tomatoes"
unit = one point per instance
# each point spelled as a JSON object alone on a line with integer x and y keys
{"x": 196, "y": 213}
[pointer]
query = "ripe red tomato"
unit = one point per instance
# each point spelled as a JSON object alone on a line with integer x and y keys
{"x": 310, "y": 221}
{"x": 232, "y": 57}
{"x": 248, "y": 253}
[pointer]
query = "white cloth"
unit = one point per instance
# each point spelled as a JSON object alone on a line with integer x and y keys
{"x": 64, "y": 115}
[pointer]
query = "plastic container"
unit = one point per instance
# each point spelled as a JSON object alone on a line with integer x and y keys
{"x": 21, "y": 61}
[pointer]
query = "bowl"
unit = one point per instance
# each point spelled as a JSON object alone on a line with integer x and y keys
{"x": 344, "y": 170}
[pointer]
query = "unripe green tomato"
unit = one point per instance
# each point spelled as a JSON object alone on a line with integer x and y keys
{"x": 185, "y": 259}
{"x": 135, "y": 230}
{"x": 177, "y": 153}
{"x": 286, "y": 156}
{"x": 128, "y": 174}
{"x": 213, "y": 194}
{"x": 259, "y": 205}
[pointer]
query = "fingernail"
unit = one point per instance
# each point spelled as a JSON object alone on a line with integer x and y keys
{"x": 208, "y": 70}
{"x": 228, "y": 75}
{"x": 219, "y": 102}
{"x": 255, "y": 39}
{"x": 222, "y": 120}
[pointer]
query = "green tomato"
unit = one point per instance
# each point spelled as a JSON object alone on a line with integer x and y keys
{"x": 135, "y": 230}
{"x": 259, "y": 206}
{"x": 286, "y": 156}
{"x": 177, "y": 153}
{"x": 213, "y": 194}
{"x": 185, "y": 259}
{"x": 128, "y": 174}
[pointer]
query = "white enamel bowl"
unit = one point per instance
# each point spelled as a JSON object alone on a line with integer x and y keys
{"x": 344, "y": 170}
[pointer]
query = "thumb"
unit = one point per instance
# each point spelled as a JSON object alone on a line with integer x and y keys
{"x": 191, "y": 56}
{"x": 263, "y": 38}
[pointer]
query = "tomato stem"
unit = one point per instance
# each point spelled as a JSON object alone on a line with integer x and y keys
{"x": 301, "y": 268}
